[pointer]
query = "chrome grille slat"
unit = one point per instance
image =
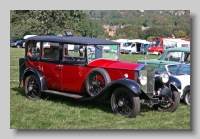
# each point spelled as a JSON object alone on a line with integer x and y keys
{"x": 149, "y": 87}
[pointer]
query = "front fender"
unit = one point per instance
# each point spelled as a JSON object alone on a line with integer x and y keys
{"x": 32, "y": 70}
{"x": 174, "y": 81}
{"x": 132, "y": 85}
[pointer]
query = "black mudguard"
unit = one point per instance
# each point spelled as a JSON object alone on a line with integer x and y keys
{"x": 32, "y": 70}
{"x": 132, "y": 85}
{"x": 174, "y": 81}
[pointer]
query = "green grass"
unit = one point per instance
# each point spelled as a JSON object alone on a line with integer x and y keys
{"x": 56, "y": 112}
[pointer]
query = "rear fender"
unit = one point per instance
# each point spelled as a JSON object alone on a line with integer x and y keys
{"x": 32, "y": 70}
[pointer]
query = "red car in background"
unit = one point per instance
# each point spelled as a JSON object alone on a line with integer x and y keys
{"x": 87, "y": 72}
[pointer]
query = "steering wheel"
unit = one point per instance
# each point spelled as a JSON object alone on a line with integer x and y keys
{"x": 90, "y": 55}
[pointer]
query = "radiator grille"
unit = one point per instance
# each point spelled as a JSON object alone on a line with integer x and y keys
{"x": 149, "y": 87}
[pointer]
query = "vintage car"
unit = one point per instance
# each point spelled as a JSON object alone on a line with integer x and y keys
{"x": 182, "y": 72}
{"x": 170, "y": 56}
{"x": 94, "y": 75}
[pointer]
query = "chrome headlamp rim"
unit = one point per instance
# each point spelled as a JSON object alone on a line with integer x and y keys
{"x": 164, "y": 77}
{"x": 142, "y": 79}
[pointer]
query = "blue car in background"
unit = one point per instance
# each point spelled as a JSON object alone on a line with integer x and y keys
{"x": 17, "y": 44}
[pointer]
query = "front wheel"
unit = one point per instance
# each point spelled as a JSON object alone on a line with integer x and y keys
{"x": 166, "y": 105}
{"x": 186, "y": 97}
{"x": 32, "y": 87}
{"x": 123, "y": 102}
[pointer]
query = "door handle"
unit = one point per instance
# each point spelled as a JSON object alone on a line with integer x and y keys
{"x": 59, "y": 66}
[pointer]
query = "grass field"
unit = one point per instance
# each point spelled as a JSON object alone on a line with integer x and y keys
{"x": 56, "y": 112}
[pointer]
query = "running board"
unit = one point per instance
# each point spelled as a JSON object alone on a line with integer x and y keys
{"x": 77, "y": 96}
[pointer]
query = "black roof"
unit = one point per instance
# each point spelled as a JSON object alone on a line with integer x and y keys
{"x": 74, "y": 40}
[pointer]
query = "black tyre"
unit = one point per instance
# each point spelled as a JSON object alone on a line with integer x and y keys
{"x": 167, "y": 106}
{"x": 186, "y": 97}
{"x": 32, "y": 87}
{"x": 123, "y": 102}
{"x": 96, "y": 80}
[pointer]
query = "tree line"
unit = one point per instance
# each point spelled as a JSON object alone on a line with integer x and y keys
{"x": 89, "y": 23}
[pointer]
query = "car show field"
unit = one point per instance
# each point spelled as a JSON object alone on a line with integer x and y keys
{"x": 57, "y": 112}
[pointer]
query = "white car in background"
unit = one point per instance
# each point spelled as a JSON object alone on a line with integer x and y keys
{"x": 182, "y": 72}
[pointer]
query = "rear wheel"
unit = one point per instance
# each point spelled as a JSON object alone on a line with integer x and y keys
{"x": 32, "y": 87}
{"x": 123, "y": 102}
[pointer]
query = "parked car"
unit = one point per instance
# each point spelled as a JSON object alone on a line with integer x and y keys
{"x": 170, "y": 56}
{"x": 182, "y": 72}
{"x": 17, "y": 44}
{"x": 94, "y": 75}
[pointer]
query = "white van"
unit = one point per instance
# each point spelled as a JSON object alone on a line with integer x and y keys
{"x": 132, "y": 46}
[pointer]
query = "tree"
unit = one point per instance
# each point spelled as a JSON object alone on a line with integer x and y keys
{"x": 90, "y": 28}
{"x": 180, "y": 34}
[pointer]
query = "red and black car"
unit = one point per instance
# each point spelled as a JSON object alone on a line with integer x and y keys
{"x": 90, "y": 69}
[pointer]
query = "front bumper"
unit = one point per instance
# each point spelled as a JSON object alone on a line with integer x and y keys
{"x": 152, "y": 52}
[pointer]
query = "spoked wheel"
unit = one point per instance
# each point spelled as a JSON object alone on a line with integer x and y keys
{"x": 124, "y": 103}
{"x": 32, "y": 87}
{"x": 186, "y": 97}
{"x": 96, "y": 80}
{"x": 169, "y": 104}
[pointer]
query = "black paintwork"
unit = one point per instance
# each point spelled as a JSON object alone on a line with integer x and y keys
{"x": 175, "y": 81}
{"x": 32, "y": 70}
{"x": 172, "y": 81}
{"x": 133, "y": 86}
{"x": 73, "y": 40}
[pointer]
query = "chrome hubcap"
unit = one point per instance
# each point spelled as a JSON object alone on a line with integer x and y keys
{"x": 120, "y": 103}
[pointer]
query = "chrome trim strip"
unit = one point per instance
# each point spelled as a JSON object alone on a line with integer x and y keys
{"x": 140, "y": 67}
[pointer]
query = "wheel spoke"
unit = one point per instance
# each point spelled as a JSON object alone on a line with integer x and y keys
{"x": 126, "y": 107}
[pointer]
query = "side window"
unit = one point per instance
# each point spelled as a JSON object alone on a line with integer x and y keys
{"x": 33, "y": 50}
{"x": 186, "y": 57}
{"x": 50, "y": 51}
{"x": 173, "y": 56}
{"x": 132, "y": 45}
{"x": 73, "y": 53}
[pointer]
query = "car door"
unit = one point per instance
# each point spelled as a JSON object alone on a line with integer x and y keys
{"x": 51, "y": 67}
{"x": 133, "y": 48}
{"x": 73, "y": 70}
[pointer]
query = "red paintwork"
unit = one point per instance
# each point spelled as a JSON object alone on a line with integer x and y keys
{"x": 116, "y": 64}
{"x": 72, "y": 77}
{"x": 161, "y": 48}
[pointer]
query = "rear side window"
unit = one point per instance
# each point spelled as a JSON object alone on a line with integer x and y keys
{"x": 50, "y": 51}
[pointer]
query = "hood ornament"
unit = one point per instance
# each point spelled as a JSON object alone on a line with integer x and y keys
{"x": 145, "y": 62}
